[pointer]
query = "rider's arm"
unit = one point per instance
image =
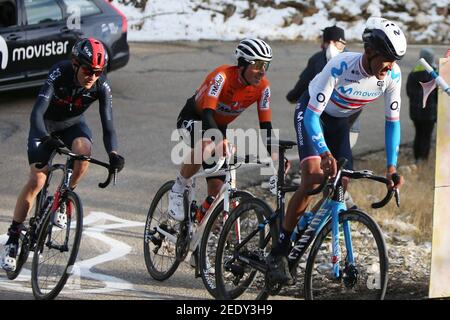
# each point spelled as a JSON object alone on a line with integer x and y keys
{"x": 106, "y": 116}
{"x": 37, "y": 124}
{"x": 265, "y": 114}
{"x": 320, "y": 90}
{"x": 392, "y": 100}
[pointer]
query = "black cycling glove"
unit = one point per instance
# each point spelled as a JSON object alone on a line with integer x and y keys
{"x": 49, "y": 144}
{"x": 116, "y": 162}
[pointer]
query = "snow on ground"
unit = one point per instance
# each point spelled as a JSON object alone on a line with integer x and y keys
{"x": 168, "y": 20}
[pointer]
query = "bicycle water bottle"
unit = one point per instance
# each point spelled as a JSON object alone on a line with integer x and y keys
{"x": 201, "y": 211}
{"x": 302, "y": 224}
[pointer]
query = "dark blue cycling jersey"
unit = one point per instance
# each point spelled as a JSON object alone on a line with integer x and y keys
{"x": 61, "y": 104}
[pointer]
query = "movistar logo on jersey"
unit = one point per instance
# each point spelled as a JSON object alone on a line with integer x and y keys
{"x": 3, "y": 53}
{"x": 335, "y": 72}
{"x": 40, "y": 50}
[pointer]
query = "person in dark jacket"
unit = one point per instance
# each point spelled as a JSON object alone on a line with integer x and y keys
{"x": 333, "y": 43}
{"x": 423, "y": 118}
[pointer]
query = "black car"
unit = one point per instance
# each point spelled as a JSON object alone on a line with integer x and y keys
{"x": 35, "y": 34}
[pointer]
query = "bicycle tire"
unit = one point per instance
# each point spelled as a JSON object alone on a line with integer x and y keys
{"x": 354, "y": 278}
{"x": 47, "y": 229}
{"x": 233, "y": 284}
{"x": 207, "y": 257}
{"x": 152, "y": 268}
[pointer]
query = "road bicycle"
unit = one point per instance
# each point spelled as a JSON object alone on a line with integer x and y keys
{"x": 167, "y": 241}
{"x": 55, "y": 245}
{"x": 347, "y": 259}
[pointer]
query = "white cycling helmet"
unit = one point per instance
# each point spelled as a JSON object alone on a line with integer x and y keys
{"x": 385, "y": 37}
{"x": 253, "y": 49}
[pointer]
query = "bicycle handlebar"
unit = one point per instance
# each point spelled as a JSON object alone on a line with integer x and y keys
{"x": 360, "y": 174}
{"x": 111, "y": 174}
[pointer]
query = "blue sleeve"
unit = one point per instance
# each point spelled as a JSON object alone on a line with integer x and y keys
{"x": 314, "y": 130}
{"x": 106, "y": 116}
{"x": 392, "y": 141}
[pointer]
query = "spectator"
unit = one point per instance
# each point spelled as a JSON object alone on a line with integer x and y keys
{"x": 423, "y": 118}
{"x": 333, "y": 43}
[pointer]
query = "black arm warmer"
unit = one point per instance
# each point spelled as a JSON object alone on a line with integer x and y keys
{"x": 106, "y": 116}
{"x": 267, "y": 126}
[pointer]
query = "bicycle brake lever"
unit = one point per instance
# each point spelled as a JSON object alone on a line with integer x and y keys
{"x": 397, "y": 197}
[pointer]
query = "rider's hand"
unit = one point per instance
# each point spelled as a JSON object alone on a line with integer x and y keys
{"x": 328, "y": 164}
{"x": 49, "y": 144}
{"x": 116, "y": 162}
{"x": 397, "y": 180}
{"x": 226, "y": 148}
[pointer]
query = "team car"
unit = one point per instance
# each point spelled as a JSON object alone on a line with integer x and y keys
{"x": 36, "y": 34}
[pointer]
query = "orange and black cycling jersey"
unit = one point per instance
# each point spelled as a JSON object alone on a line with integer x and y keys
{"x": 223, "y": 92}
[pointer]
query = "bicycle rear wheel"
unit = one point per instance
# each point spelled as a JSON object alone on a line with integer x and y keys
{"x": 210, "y": 239}
{"x": 365, "y": 279}
{"x": 56, "y": 250}
{"x": 240, "y": 272}
{"x": 159, "y": 249}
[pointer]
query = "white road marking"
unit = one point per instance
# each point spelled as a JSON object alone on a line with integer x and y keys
{"x": 95, "y": 230}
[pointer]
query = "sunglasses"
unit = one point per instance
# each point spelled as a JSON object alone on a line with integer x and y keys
{"x": 89, "y": 71}
{"x": 260, "y": 65}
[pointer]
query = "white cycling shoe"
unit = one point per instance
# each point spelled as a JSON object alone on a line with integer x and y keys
{"x": 60, "y": 217}
{"x": 9, "y": 257}
{"x": 176, "y": 208}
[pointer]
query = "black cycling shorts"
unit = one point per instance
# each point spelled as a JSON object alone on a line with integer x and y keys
{"x": 189, "y": 124}
{"x": 38, "y": 154}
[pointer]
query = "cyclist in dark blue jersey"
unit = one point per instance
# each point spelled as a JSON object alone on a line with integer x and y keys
{"x": 58, "y": 115}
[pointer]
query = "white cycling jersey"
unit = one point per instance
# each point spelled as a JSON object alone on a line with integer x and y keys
{"x": 344, "y": 87}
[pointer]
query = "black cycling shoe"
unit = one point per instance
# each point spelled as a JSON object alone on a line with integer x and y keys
{"x": 278, "y": 269}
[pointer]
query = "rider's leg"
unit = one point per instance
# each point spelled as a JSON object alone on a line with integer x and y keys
{"x": 81, "y": 146}
{"x": 24, "y": 203}
{"x": 29, "y": 192}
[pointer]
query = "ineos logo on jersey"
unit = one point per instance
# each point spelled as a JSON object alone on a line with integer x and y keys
{"x": 217, "y": 86}
{"x": 41, "y": 50}
{"x": 380, "y": 83}
{"x": 3, "y": 53}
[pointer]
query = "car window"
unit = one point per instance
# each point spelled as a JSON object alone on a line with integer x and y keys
{"x": 41, "y": 11}
{"x": 86, "y": 7}
{"x": 8, "y": 14}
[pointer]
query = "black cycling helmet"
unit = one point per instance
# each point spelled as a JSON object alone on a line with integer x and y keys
{"x": 90, "y": 52}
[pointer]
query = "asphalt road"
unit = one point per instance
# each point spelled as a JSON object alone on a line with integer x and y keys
{"x": 147, "y": 97}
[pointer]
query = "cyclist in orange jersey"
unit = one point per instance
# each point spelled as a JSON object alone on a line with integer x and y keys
{"x": 222, "y": 97}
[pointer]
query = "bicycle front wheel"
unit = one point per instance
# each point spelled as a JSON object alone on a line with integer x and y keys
{"x": 243, "y": 246}
{"x": 160, "y": 237}
{"x": 210, "y": 239}
{"x": 56, "y": 249}
{"x": 365, "y": 278}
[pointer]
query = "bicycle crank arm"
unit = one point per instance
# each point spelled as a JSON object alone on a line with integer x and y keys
{"x": 166, "y": 234}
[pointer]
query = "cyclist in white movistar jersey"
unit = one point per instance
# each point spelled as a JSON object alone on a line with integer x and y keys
{"x": 348, "y": 82}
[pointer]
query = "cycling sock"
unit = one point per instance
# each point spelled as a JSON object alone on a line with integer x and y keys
{"x": 180, "y": 183}
{"x": 13, "y": 232}
{"x": 282, "y": 245}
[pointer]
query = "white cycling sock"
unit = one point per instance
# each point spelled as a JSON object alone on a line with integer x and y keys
{"x": 180, "y": 183}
